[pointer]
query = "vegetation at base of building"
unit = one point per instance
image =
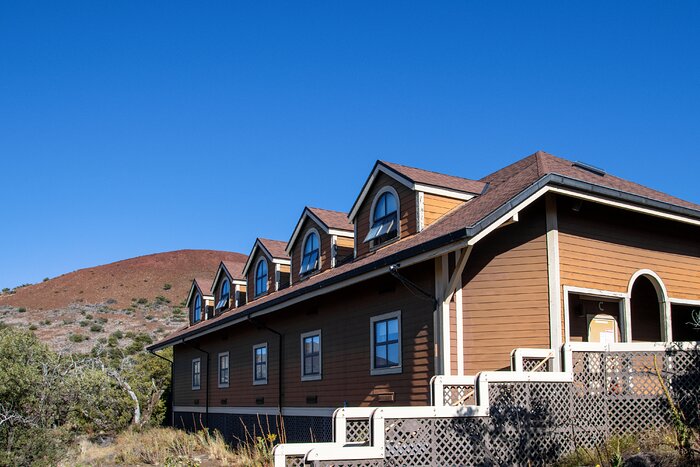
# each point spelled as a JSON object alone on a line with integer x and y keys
{"x": 48, "y": 400}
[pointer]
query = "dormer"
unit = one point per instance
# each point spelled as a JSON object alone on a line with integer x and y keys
{"x": 321, "y": 240}
{"x": 267, "y": 269}
{"x": 229, "y": 286}
{"x": 398, "y": 201}
{"x": 200, "y": 302}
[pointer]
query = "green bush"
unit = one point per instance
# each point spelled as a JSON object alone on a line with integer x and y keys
{"x": 22, "y": 309}
{"x": 142, "y": 301}
{"x": 167, "y": 286}
{"x": 6, "y": 290}
{"x": 77, "y": 338}
{"x": 84, "y": 323}
{"x": 96, "y": 328}
{"x": 46, "y": 279}
{"x": 33, "y": 327}
{"x": 118, "y": 334}
{"x": 88, "y": 316}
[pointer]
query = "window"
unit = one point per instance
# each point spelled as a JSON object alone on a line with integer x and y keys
{"x": 197, "y": 315}
{"x": 386, "y": 343}
{"x": 261, "y": 278}
{"x": 196, "y": 373}
{"x": 384, "y": 219}
{"x": 309, "y": 260}
{"x": 225, "y": 294}
{"x": 260, "y": 364}
{"x": 223, "y": 370}
{"x": 311, "y": 356}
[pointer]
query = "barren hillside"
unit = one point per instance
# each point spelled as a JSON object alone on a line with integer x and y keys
{"x": 137, "y": 295}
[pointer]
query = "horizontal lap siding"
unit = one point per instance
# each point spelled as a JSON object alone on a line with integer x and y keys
{"x": 434, "y": 207}
{"x": 601, "y": 248}
{"x": 505, "y": 294}
{"x": 605, "y": 255}
{"x": 344, "y": 320}
{"x": 407, "y": 207}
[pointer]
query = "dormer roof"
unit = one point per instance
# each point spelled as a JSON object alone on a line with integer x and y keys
{"x": 275, "y": 250}
{"x": 420, "y": 180}
{"x": 233, "y": 269}
{"x": 201, "y": 285}
{"x": 332, "y": 223}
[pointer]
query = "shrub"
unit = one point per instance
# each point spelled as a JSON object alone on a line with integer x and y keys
{"x": 33, "y": 327}
{"x": 118, "y": 334}
{"x": 167, "y": 286}
{"x": 88, "y": 316}
{"x": 6, "y": 290}
{"x": 84, "y": 323}
{"x": 96, "y": 328}
{"x": 161, "y": 299}
{"x": 46, "y": 279}
{"x": 46, "y": 322}
{"x": 22, "y": 309}
{"x": 68, "y": 321}
{"x": 77, "y": 338}
{"x": 101, "y": 320}
{"x": 149, "y": 317}
{"x": 142, "y": 301}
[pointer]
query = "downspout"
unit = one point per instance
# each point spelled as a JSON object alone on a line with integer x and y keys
{"x": 206, "y": 394}
{"x": 280, "y": 339}
{"x": 172, "y": 387}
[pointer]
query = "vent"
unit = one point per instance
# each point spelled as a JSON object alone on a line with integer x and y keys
{"x": 312, "y": 399}
{"x": 224, "y": 401}
{"x": 590, "y": 168}
{"x": 260, "y": 400}
{"x": 196, "y": 402}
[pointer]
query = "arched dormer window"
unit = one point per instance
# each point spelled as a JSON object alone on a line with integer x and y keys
{"x": 310, "y": 254}
{"x": 197, "y": 316}
{"x": 384, "y": 217}
{"x": 225, "y": 295}
{"x": 261, "y": 277}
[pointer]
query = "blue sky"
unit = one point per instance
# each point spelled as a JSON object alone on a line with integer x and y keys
{"x": 128, "y": 128}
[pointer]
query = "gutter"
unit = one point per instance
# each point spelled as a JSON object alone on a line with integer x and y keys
{"x": 551, "y": 179}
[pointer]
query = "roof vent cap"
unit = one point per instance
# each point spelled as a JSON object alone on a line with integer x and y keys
{"x": 589, "y": 168}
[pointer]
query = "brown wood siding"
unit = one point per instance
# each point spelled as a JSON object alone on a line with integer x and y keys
{"x": 183, "y": 394}
{"x": 505, "y": 294}
{"x": 344, "y": 320}
{"x": 407, "y": 206}
{"x": 435, "y": 206}
{"x": 601, "y": 248}
{"x": 297, "y": 249}
{"x": 251, "y": 275}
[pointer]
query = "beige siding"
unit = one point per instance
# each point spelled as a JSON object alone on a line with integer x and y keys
{"x": 505, "y": 294}
{"x": 435, "y": 206}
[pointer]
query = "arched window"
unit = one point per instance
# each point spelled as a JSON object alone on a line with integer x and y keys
{"x": 197, "y": 308}
{"x": 225, "y": 295}
{"x": 309, "y": 260}
{"x": 261, "y": 277}
{"x": 385, "y": 219}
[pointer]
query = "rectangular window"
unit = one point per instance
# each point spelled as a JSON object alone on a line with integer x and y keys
{"x": 260, "y": 364}
{"x": 385, "y": 331}
{"x": 311, "y": 356}
{"x": 196, "y": 373}
{"x": 223, "y": 370}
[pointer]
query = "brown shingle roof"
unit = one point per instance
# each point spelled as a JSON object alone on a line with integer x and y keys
{"x": 436, "y": 179}
{"x": 235, "y": 268}
{"x": 333, "y": 219}
{"x": 504, "y": 185}
{"x": 275, "y": 247}
{"x": 204, "y": 285}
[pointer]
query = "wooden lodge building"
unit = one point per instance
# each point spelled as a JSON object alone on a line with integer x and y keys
{"x": 432, "y": 274}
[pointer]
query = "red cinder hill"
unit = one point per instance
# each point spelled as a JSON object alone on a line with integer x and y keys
{"x": 112, "y": 305}
{"x": 116, "y": 284}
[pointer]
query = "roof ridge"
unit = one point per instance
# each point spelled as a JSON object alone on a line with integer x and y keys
{"x": 426, "y": 170}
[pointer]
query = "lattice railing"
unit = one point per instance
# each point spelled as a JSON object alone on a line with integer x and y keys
{"x": 525, "y": 417}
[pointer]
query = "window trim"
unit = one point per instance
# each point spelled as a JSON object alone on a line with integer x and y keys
{"x": 228, "y": 369}
{"x": 198, "y": 361}
{"x": 255, "y": 278}
{"x": 392, "y": 369}
{"x": 319, "y": 266}
{"x": 259, "y": 382}
{"x": 388, "y": 188}
{"x": 303, "y": 336}
{"x": 224, "y": 306}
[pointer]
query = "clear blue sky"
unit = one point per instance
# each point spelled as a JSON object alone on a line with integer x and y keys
{"x": 128, "y": 128}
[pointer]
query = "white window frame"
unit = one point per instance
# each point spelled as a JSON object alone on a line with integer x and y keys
{"x": 198, "y": 361}
{"x": 320, "y": 355}
{"x": 258, "y": 382}
{"x": 228, "y": 369}
{"x": 388, "y": 370}
{"x": 388, "y": 188}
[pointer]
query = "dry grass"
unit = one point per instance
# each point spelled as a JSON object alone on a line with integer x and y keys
{"x": 171, "y": 447}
